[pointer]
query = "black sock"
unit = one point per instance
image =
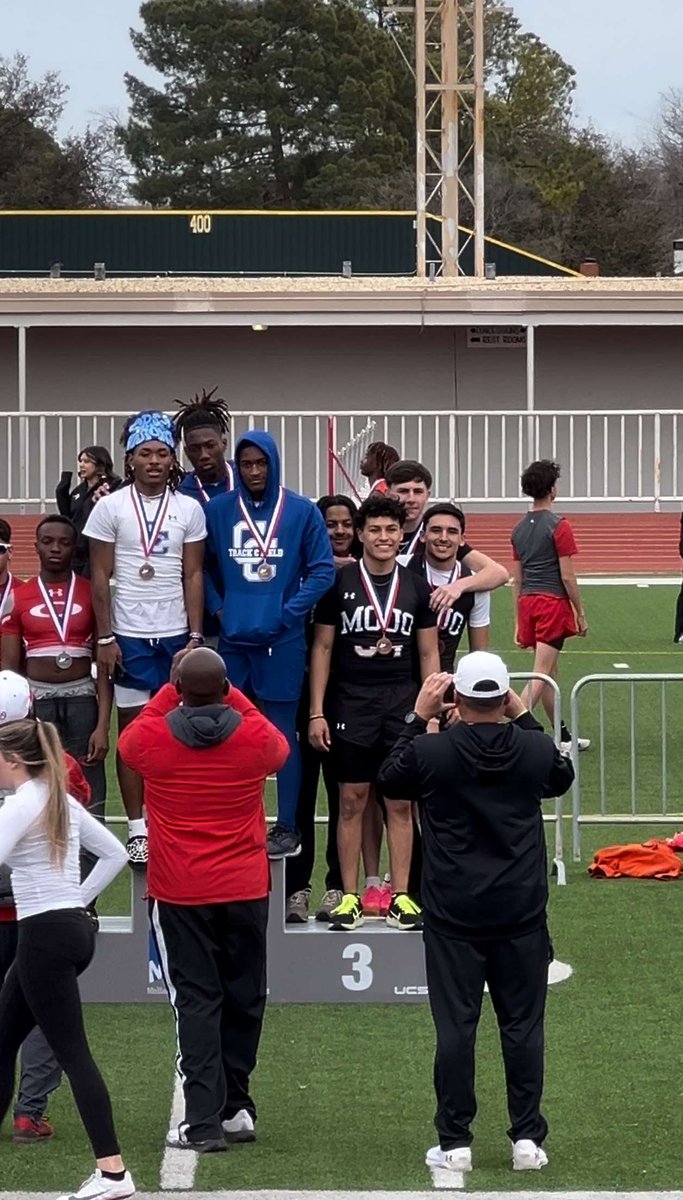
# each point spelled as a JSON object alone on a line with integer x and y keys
{"x": 117, "y": 1176}
{"x": 565, "y": 735}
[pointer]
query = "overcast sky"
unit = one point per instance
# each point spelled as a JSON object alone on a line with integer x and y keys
{"x": 626, "y": 53}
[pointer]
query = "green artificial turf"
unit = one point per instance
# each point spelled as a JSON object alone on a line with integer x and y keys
{"x": 344, "y": 1092}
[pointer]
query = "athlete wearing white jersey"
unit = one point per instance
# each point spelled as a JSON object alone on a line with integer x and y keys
{"x": 42, "y": 830}
{"x": 150, "y": 540}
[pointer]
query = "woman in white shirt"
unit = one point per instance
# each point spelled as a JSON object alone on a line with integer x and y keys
{"x": 42, "y": 830}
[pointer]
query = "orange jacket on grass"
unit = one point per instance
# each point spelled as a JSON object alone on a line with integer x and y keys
{"x": 637, "y": 860}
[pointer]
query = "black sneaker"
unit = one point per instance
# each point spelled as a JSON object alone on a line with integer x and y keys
{"x": 283, "y": 842}
{"x": 177, "y": 1139}
{"x": 404, "y": 913}
{"x": 348, "y": 914}
{"x": 136, "y": 849}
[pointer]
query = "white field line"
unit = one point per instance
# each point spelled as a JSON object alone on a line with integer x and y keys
{"x": 291, "y": 1195}
{"x": 178, "y": 1167}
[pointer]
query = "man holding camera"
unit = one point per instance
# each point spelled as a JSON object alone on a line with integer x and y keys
{"x": 479, "y": 785}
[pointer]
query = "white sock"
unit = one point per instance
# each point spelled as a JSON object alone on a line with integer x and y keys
{"x": 372, "y": 881}
{"x": 137, "y": 828}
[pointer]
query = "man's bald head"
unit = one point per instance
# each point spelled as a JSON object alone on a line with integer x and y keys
{"x": 201, "y": 678}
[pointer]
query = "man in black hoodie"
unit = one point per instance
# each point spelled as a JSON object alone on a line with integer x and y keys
{"x": 479, "y": 785}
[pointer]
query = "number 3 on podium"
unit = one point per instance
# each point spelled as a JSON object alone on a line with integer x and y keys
{"x": 361, "y": 958}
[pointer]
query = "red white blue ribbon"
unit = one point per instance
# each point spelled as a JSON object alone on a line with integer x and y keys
{"x": 384, "y": 618}
{"x": 264, "y": 543}
{"x": 61, "y": 624}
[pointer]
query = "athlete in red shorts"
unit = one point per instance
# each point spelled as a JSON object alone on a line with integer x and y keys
{"x": 547, "y": 597}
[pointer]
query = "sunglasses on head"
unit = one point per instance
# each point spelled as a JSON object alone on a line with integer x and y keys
{"x": 4, "y": 547}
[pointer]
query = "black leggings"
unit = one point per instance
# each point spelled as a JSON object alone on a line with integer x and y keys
{"x": 41, "y": 988}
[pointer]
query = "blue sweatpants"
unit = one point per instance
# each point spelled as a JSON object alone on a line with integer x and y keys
{"x": 272, "y": 676}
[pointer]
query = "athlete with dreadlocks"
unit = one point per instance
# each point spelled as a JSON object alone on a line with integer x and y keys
{"x": 150, "y": 540}
{"x": 203, "y": 424}
{"x": 379, "y": 459}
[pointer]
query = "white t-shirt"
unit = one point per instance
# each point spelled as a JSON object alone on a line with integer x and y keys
{"x": 147, "y": 607}
{"x": 480, "y": 614}
{"x": 38, "y": 884}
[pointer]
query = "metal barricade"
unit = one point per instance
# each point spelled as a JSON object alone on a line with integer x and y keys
{"x": 663, "y": 814}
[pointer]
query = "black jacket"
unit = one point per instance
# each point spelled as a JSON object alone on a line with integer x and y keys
{"x": 479, "y": 788}
{"x": 78, "y": 505}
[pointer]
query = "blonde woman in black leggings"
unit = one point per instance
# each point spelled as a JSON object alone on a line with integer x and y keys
{"x": 42, "y": 830}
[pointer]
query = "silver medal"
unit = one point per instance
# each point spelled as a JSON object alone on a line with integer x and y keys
{"x": 147, "y": 571}
{"x": 64, "y": 661}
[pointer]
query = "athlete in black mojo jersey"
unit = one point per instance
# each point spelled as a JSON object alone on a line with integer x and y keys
{"x": 377, "y": 621}
{"x": 442, "y": 537}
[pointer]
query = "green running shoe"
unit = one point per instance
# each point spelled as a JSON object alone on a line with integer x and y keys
{"x": 404, "y": 913}
{"x": 348, "y": 914}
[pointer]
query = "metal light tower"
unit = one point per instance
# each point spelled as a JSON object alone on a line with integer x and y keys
{"x": 450, "y": 129}
{"x": 449, "y": 84}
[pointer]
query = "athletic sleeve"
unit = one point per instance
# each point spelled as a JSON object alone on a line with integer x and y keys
{"x": 76, "y": 782}
{"x": 196, "y": 523}
{"x": 563, "y": 538}
{"x": 318, "y": 569}
{"x": 111, "y": 855}
{"x": 480, "y": 616}
{"x": 425, "y": 617}
{"x": 16, "y": 819}
{"x": 464, "y": 550}
{"x": 328, "y": 609}
{"x": 101, "y": 523}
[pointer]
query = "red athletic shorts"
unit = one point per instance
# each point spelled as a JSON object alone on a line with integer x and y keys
{"x": 544, "y": 618}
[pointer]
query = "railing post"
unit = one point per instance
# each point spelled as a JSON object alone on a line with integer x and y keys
{"x": 530, "y": 390}
{"x": 657, "y": 465}
{"x": 23, "y": 431}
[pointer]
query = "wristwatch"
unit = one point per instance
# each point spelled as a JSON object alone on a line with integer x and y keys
{"x": 413, "y": 718}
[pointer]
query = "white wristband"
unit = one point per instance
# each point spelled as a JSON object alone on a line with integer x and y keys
{"x": 137, "y": 828}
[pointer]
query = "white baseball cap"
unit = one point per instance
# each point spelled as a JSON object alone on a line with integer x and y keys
{"x": 15, "y": 697}
{"x": 481, "y": 675}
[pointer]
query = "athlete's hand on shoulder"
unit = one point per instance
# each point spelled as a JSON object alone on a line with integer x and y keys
{"x": 108, "y": 657}
{"x": 582, "y": 624}
{"x": 319, "y": 734}
{"x": 430, "y": 702}
{"x": 98, "y": 745}
{"x": 343, "y": 561}
{"x": 446, "y": 596}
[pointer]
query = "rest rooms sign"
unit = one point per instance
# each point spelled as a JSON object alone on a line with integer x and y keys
{"x": 495, "y": 337}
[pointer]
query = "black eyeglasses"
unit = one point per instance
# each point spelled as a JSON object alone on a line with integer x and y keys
{"x": 5, "y": 547}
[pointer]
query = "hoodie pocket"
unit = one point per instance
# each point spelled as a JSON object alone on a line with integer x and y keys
{"x": 256, "y": 618}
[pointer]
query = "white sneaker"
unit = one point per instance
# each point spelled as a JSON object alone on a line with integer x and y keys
{"x": 240, "y": 1128}
{"x": 527, "y": 1156}
{"x": 582, "y": 744}
{"x": 98, "y": 1188}
{"x": 459, "y": 1160}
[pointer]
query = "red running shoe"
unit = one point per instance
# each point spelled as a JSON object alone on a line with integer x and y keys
{"x": 26, "y": 1129}
{"x": 385, "y": 898}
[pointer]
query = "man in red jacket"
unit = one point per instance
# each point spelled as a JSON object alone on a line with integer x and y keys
{"x": 204, "y": 763}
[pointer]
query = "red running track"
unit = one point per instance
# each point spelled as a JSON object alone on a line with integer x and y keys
{"x": 609, "y": 543}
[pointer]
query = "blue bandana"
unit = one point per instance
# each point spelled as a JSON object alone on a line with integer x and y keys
{"x": 151, "y": 427}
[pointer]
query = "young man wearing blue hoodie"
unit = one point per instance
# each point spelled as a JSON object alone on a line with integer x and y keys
{"x": 270, "y": 551}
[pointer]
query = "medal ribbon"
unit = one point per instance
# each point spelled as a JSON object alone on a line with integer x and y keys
{"x": 5, "y": 594}
{"x": 384, "y": 618}
{"x": 62, "y": 627}
{"x": 229, "y": 483}
{"x": 455, "y": 574}
{"x": 150, "y": 530}
{"x": 264, "y": 543}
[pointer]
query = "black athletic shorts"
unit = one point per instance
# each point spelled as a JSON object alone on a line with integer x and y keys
{"x": 365, "y": 725}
